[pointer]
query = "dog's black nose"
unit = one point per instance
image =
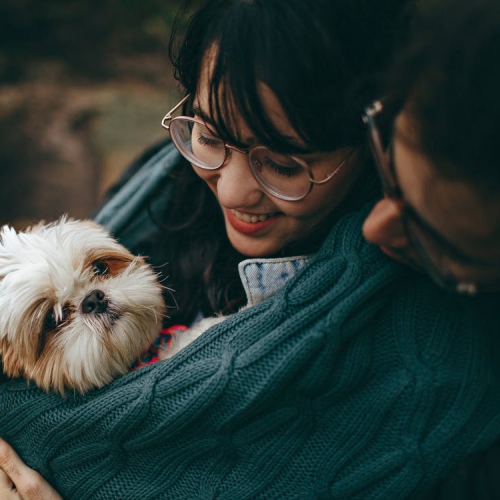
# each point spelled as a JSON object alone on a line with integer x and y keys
{"x": 95, "y": 302}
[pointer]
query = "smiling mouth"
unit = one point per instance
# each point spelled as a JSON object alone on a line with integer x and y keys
{"x": 251, "y": 217}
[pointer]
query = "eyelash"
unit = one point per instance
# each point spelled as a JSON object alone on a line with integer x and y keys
{"x": 205, "y": 141}
{"x": 283, "y": 171}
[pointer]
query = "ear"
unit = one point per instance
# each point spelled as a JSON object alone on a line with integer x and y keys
{"x": 384, "y": 227}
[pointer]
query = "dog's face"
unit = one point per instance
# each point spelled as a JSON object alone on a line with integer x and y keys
{"x": 76, "y": 308}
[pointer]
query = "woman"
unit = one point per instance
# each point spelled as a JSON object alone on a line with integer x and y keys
{"x": 335, "y": 71}
{"x": 354, "y": 377}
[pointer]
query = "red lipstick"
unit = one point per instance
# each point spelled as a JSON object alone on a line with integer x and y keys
{"x": 249, "y": 227}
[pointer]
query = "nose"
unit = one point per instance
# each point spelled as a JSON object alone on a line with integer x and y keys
{"x": 95, "y": 302}
{"x": 236, "y": 185}
{"x": 383, "y": 226}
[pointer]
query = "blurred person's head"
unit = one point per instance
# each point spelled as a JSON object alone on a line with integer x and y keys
{"x": 436, "y": 137}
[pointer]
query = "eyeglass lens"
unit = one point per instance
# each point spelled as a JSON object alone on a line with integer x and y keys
{"x": 278, "y": 174}
{"x": 197, "y": 143}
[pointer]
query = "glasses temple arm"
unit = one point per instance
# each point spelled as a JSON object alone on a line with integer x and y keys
{"x": 342, "y": 163}
{"x": 168, "y": 116}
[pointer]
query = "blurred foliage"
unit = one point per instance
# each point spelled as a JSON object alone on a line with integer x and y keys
{"x": 81, "y": 37}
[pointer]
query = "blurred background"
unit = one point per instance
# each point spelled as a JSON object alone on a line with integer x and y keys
{"x": 83, "y": 87}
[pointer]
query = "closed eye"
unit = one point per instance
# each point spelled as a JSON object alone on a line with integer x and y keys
{"x": 206, "y": 141}
{"x": 281, "y": 169}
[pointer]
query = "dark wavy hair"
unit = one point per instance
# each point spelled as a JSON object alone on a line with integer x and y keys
{"x": 447, "y": 77}
{"x": 323, "y": 59}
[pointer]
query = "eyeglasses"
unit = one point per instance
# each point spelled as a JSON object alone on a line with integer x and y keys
{"x": 285, "y": 177}
{"x": 435, "y": 254}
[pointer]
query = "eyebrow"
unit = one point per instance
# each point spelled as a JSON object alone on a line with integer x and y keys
{"x": 204, "y": 116}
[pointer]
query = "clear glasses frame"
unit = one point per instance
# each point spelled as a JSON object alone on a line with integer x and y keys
{"x": 253, "y": 161}
{"x": 412, "y": 223}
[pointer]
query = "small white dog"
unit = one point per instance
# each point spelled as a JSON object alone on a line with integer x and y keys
{"x": 76, "y": 307}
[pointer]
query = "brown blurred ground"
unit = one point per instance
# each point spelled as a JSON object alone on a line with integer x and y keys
{"x": 83, "y": 88}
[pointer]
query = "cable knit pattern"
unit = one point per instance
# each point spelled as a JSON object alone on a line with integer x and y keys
{"x": 358, "y": 379}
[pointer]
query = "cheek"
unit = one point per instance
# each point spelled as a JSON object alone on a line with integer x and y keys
{"x": 208, "y": 176}
{"x": 322, "y": 200}
{"x": 202, "y": 174}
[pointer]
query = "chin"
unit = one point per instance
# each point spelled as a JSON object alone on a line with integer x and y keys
{"x": 253, "y": 246}
{"x": 76, "y": 307}
{"x": 256, "y": 249}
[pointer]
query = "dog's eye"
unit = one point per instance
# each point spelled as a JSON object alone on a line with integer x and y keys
{"x": 50, "y": 322}
{"x": 100, "y": 268}
{"x": 50, "y": 325}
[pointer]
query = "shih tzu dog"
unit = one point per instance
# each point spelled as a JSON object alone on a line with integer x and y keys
{"x": 76, "y": 307}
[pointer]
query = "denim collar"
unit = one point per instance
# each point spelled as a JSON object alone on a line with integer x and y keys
{"x": 262, "y": 278}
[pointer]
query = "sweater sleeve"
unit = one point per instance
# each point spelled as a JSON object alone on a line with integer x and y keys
{"x": 358, "y": 379}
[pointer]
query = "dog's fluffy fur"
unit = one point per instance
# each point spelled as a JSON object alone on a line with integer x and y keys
{"x": 76, "y": 307}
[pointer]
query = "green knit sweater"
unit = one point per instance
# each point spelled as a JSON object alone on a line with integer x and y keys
{"x": 359, "y": 379}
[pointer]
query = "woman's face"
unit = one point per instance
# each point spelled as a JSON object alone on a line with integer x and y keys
{"x": 257, "y": 223}
{"x": 468, "y": 222}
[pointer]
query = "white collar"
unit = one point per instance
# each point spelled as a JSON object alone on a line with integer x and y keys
{"x": 262, "y": 278}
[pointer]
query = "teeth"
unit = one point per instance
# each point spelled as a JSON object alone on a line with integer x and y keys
{"x": 249, "y": 217}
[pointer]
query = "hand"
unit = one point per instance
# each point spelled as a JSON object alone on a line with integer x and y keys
{"x": 19, "y": 482}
